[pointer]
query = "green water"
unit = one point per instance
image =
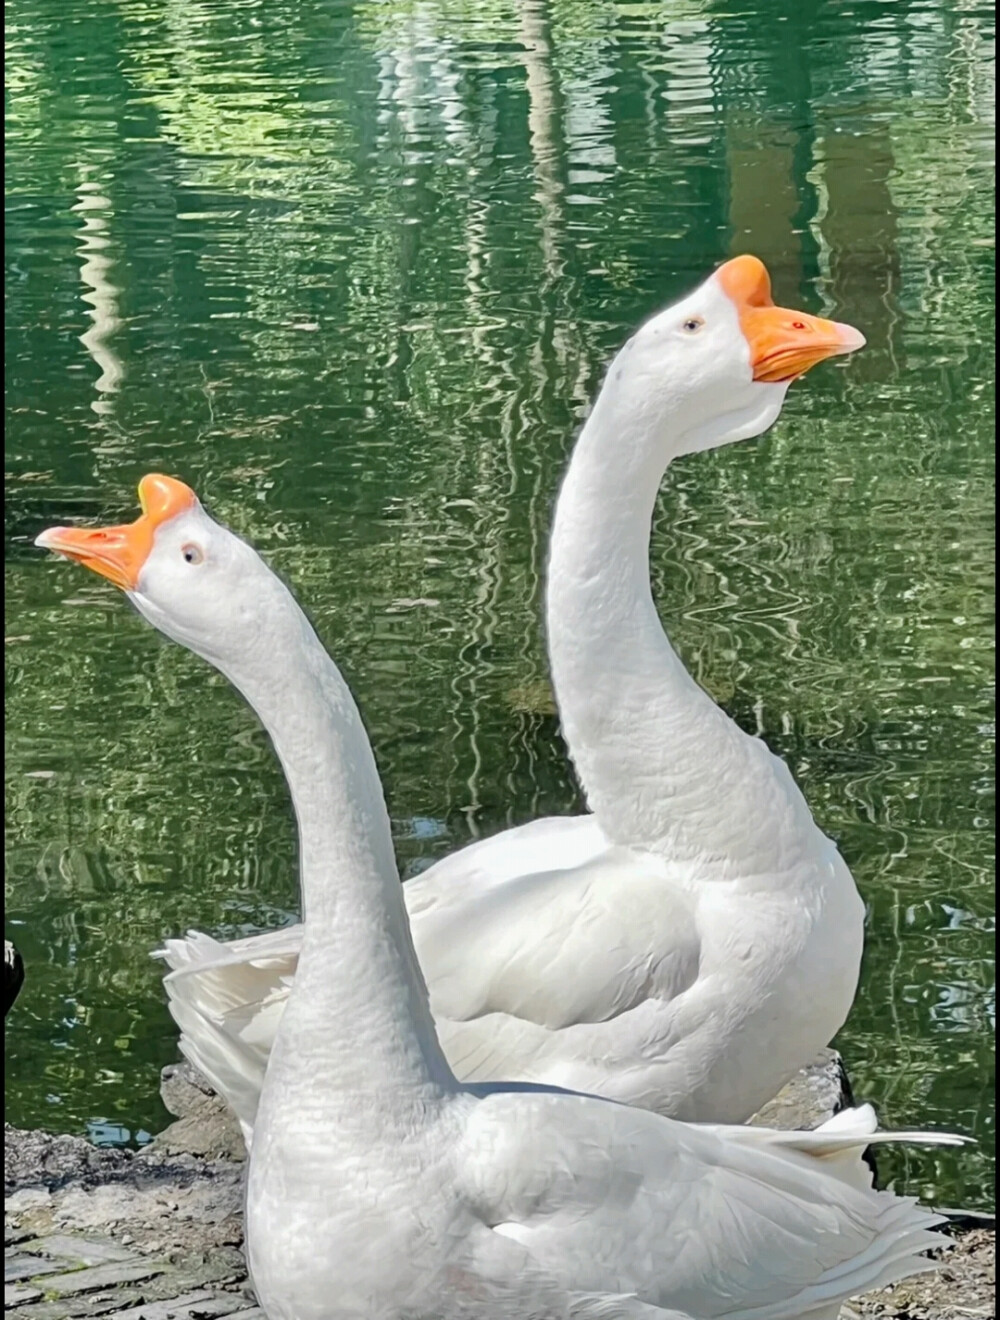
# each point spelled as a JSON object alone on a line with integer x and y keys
{"x": 353, "y": 271}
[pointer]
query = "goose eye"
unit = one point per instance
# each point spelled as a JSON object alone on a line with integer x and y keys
{"x": 692, "y": 325}
{"x": 192, "y": 554}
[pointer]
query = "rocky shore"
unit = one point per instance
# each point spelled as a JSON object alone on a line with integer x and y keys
{"x": 157, "y": 1234}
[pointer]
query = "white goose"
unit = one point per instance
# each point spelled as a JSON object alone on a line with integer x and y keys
{"x": 378, "y": 1186}
{"x": 697, "y": 939}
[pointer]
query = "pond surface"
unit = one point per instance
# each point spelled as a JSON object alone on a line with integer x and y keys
{"x": 353, "y": 272}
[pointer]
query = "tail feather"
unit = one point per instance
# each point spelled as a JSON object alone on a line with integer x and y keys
{"x": 900, "y": 1231}
{"x": 235, "y": 1073}
{"x": 840, "y": 1144}
{"x": 227, "y": 1000}
{"x": 900, "y": 1234}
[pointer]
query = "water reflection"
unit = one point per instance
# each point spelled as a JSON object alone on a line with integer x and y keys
{"x": 103, "y": 295}
{"x": 354, "y": 273}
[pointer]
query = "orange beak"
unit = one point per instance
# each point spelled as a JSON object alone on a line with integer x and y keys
{"x": 783, "y": 344}
{"x": 118, "y": 553}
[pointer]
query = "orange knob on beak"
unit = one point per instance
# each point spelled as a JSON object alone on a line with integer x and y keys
{"x": 118, "y": 553}
{"x": 783, "y": 344}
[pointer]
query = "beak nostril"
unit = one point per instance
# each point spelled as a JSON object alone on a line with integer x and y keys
{"x": 798, "y": 325}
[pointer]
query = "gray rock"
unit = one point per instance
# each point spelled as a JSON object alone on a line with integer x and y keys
{"x": 206, "y": 1127}
{"x": 98, "y": 1277}
{"x": 42, "y": 1160}
{"x": 18, "y": 1268}
{"x": 94, "y": 1233}
{"x": 16, "y": 1294}
{"x": 184, "y": 1090}
{"x": 80, "y": 1250}
{"x": 64, "y": 1186}
{"x": 200, "y": 1305}
{"x": 813, "y": 1095}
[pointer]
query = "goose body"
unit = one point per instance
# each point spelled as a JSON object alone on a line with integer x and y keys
{"x": 616, "y": 976}
{"x": 380, "y": 1186}
{"x": 697, "y": 939}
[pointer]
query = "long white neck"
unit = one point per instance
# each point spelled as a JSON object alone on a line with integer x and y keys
{"x": 358, "y": 1018}
{"x": 661, "y": 765}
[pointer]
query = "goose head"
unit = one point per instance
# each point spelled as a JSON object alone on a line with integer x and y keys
{"x": 190, "y": 577}
{"x": 715, "y": 366}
